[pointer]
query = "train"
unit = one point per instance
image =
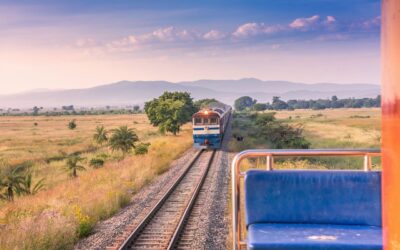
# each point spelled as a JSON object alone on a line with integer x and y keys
{"x": 209, "y": 126}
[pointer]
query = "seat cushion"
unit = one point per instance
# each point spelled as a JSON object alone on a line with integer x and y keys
{"x": 313, "y": 237}
{"x": 313, "y": 197}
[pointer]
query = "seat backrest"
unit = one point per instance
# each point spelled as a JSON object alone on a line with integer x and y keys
{"x": 327, "y": 197}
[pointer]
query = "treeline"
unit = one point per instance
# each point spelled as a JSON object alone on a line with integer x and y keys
{"x": 253, "y": 130}
{"x": 70, "y": 110}
{"x": 247, "y": 103}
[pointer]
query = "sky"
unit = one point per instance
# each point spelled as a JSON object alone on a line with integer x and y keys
{"x": 78, "y": 43}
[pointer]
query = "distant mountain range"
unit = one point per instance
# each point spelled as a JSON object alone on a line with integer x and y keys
{"x": 128, "y": 93}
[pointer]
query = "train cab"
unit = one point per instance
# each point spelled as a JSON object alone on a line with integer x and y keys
{"x": 207, "y": 129}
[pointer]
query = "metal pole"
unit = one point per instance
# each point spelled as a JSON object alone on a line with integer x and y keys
{"x": 270, "y": 162}
{"x": 391, "y": 123}
{"x": 367, "y": 163}
{"x": 235, "y": 201}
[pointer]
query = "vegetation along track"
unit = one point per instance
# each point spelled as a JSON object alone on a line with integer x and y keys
{"x": 162, "y": 227}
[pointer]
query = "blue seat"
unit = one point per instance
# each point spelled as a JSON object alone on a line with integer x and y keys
{"x": 313, "y": 210}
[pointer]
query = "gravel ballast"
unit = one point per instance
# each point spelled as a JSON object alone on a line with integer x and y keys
{"x": 211, "y": 225}
{"x": 105, "y": 232}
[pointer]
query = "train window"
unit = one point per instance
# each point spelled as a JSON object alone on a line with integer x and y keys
{"x": 205, "y": 121}
{"x": 197, "y": 121}
{"x": 213, "y": 120}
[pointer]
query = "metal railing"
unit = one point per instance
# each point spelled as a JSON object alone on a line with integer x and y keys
{"x": 269, "y": 155}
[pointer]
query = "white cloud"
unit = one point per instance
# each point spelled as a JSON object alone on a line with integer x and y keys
{"x": 213, "y": 35}
{"x": 172, "y": 34}
{"x": 164, "y": 35}
{"x": 313, "y": 22}
{"x": 253, "y": 29}
{"x": 330, "y": 19}
{"x": 304, "y": 22}
{"x": 169, "y": 34}
{"x": 248, "y": 29}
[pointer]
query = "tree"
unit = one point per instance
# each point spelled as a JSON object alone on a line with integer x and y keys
{"x": 123, "y": 139}
{"x": 73, "y": 165}
{"x": 136, "y": 108}
{"x": 100, "y": 136}
{"x": 27, "y": 187}
{"x": 35, "y": 110}
{"x": 260, "y": 106}
{"x": 244, "y": 102}
{"x": 203, "y": 103}
{"x": 67, "y": 108}
{"x": 278, "y": 104}
{"x": 12, "y": 181}
{"x": 72, "y": 125}
{"x": 170, "y": 111}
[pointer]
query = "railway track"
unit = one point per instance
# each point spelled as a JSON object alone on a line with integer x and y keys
{"x": 164, "y": 225}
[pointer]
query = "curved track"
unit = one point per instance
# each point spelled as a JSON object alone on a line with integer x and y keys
{"x": 162, "y": 227}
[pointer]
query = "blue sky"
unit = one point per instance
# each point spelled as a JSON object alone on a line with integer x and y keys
{"x": 74, "y": 44}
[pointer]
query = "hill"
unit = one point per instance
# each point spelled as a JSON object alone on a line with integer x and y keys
{"x": 128, "y": 93}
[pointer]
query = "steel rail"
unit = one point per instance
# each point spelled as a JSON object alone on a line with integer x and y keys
{"x": 237, "y": 175}
{"x": 126, "y": 244}
{"x": 175, "y": 238}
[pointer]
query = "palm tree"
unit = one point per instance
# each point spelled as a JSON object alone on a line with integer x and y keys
{"x": 27, "y": 188}
{"x": 123, "y": 139}
{"x": 101, "y": 135}
{"x": 12, "y": 181}
{"x": 72, "y": 165}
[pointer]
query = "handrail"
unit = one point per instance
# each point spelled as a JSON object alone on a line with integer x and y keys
{"x": 269, "y": 154}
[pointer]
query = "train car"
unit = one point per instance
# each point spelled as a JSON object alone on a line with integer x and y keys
{"x": 209, "y": 126}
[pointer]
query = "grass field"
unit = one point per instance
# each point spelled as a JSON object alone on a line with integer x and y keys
{"x": 338, "y": 128}
{"x": 56, "y": 216}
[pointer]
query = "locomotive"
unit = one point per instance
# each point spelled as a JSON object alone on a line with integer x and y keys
{"x": 209, "y": 125}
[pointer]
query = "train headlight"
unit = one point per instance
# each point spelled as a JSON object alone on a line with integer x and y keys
{"x": 206, "y": 112}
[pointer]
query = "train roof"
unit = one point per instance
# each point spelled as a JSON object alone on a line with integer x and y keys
{"x": 220, "y": 111}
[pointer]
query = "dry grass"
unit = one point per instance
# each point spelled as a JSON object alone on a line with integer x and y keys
{"x": 55, "y": 217}
{"x": 338, "y": 128}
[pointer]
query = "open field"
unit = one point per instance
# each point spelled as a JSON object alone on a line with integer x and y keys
{"x": 67, "y": 208}
{"x": 338, "y": 128}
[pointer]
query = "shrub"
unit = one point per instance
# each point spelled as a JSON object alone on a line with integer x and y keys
{"x": 142, "y": 148}
{"x": 85, "y": 226}
{"x": 72, "y": 125}
{"x": 96, "y": 162}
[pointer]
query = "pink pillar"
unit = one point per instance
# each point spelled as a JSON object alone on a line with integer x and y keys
{"x": 391, "y": 123}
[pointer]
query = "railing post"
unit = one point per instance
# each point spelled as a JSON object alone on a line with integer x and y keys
{"x": 367, "y": 163}
{"x": 270, "y": 162}
{"x": 235, "y": 202}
